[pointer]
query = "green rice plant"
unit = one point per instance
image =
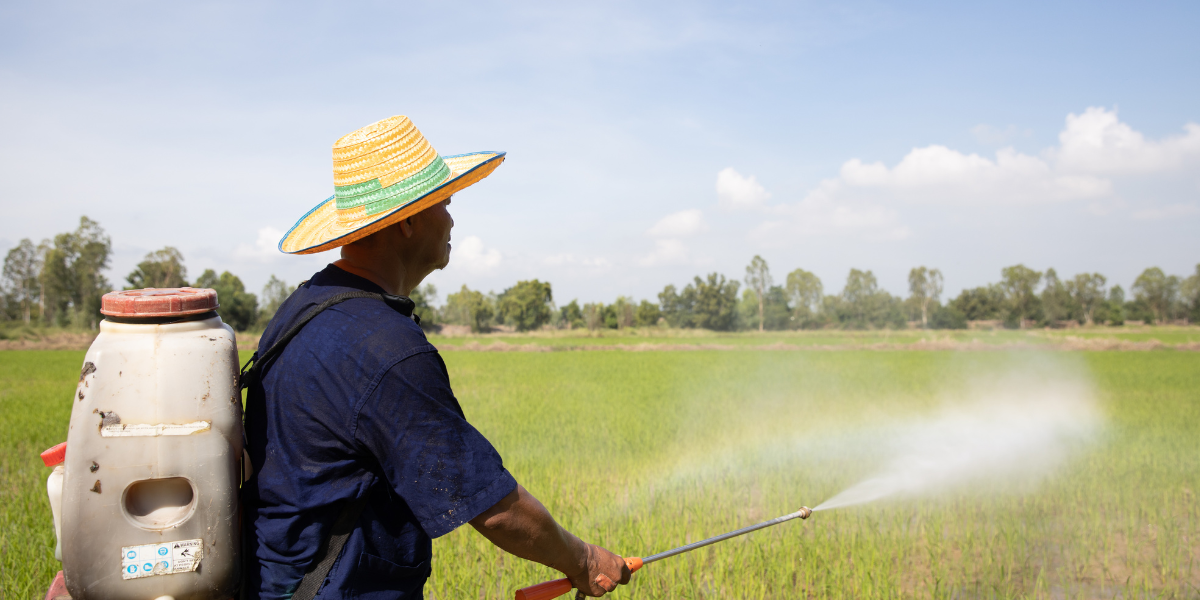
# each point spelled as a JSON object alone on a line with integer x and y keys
{"x": 644, "y": 451}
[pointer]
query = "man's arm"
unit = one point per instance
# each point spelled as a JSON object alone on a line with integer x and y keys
{"x": 520, "y": 525}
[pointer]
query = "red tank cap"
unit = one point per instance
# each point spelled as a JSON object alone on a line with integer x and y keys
{"x": 55, "y": 455}
{"x": 159, "y": 302}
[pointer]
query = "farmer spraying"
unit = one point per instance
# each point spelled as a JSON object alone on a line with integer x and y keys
{"x": 360, "y": 452}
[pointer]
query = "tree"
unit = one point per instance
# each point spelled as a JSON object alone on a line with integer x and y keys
{"x": 777, "y": 315}
{"x": 22, "y": 266}
{"x": 424, "y": 297}
{"x": 1158, "y": 291}
{"x": 72, "y": 276}
{"x": 237, "y": 308}
{"x": 1019, "y": 283}
{"x": 805, "y": 292}
{"x": 1114, "y": 308}
{"x": 1087, "y": 290}
{"x": 1191, "y": 295}
{"x": 947, "y": 317}
{"x": 863, "y": 304}
{"x": 593, "y": 315}
{"x": 469, "y": 307}
{"x": 925, "y": 285}
{"x": 648, "y": 314}
{"x": 623, "y": 312}
{"x": 758, "y": 280}
{"x": 676, "y": 309}
{"x": 571, "y": 316}
{"x": 1057, "y": 301}
{"x": 273, "y": 294}
{"x": 715, "y": 302}
{"x": 160, "y": 269}
{"x": 980, "y": 304}
{"x": 526, "y": 305}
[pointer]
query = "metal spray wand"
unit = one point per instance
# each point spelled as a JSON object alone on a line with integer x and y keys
{"x": 558, "y": 587}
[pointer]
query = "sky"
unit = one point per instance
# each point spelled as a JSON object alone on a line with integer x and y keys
{"x": 647, "y": 142}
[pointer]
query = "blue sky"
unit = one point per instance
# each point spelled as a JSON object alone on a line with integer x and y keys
{"x": 648, "y": 142}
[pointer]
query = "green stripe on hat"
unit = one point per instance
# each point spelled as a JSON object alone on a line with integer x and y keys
{"x": 377, "y": 199}
{"x": 347, "y": 191}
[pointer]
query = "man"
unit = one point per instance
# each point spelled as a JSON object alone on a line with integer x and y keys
{"x": 360, "y": 451}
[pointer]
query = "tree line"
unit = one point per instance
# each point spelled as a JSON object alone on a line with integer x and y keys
{"x": 1023, "y": 298}
{"x": 59, "y": 281}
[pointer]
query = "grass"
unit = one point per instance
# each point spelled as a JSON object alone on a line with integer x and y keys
{"x": 1170, "y": 335}
{"x": 641, "y": 452}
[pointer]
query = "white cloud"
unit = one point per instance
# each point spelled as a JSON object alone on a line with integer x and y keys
{"x": 1166, "y": 212}
{"x": 1098, "y": 142}
{"x": 822, "y": 213}
{"x": 682, "y": 223}
{"x": 737, "y": 192}
{"x": 265, "y": 247}
{"x": 942, "y": 175}
{"x": 470, "y": 255}
{"x": 1096, "y": 153}
{"x": 666, "y": 252}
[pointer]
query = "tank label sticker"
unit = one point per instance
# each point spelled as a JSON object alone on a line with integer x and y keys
{"x": 137, "y": 430}
{"x": 161, "y": 559}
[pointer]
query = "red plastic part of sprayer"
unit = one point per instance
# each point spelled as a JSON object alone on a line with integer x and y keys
{"x": 55, "y": 455}
{"x": 162, "y": 302}
{"x": 553, "y": 589}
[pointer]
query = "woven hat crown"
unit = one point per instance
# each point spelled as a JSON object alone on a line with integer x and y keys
{"x": 382, "y": 166}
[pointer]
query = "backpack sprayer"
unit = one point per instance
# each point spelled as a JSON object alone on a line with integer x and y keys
{"x": 144, "y": 492}
{"x": 558, "y": 587}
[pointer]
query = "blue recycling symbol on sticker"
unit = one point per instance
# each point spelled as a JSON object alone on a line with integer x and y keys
{"x": 131, "y": 555}
{"x": 161, "y": 551}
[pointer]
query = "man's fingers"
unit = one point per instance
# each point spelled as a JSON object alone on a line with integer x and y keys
{"x": 625, "y": 573}
{"x": 605, "y": 582}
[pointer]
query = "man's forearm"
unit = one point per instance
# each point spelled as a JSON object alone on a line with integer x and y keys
{"x": 520, "y": 525}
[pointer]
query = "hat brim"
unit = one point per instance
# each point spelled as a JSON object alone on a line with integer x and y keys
{"x": 320, "y": 230}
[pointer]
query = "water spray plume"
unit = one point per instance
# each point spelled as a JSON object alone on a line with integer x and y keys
{"x": 1013, "y": 433}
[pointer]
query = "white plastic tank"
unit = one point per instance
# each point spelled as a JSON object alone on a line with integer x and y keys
{"x": 153, "y": 459}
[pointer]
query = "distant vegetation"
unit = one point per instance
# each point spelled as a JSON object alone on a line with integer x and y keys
{"x": 59, "y": 282}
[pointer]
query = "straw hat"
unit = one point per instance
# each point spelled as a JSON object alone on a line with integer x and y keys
{"x": 382, "y": 174}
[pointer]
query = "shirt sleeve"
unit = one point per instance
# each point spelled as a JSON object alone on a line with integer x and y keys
{"x": 443, "y": 468}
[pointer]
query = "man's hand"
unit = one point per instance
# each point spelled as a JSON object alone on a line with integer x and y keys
{"x": 520, "y": 525}
{"x": 600, "y": 572}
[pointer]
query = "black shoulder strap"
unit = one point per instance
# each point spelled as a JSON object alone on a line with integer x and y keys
{"x": 344, "y": 525}
{"x": 315, "y": 578}
{"x": 252, "y": 370}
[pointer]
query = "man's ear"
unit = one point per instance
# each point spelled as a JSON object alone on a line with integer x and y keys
{"x": 406, "y": 227}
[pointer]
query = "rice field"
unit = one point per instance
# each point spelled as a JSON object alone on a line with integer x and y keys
{"x": 644, "y": 451}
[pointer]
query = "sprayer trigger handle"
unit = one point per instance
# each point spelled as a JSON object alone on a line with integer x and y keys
{"x": 634, "y": 563}
{"x": 553, "y": 589}
{"x": 545, "y": 591}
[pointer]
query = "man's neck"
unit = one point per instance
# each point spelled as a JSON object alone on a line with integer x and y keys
{"x": 392, "y": 280}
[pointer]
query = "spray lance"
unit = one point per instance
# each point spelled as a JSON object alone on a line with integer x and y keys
{"x": 558, "y": 587}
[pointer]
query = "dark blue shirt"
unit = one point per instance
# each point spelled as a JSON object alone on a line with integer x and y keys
{"x": 359, "y": 404}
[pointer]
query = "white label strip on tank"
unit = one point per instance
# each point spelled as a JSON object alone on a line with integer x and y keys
{"x": 137, "y": 430}
{"x": 161, "y": 559}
